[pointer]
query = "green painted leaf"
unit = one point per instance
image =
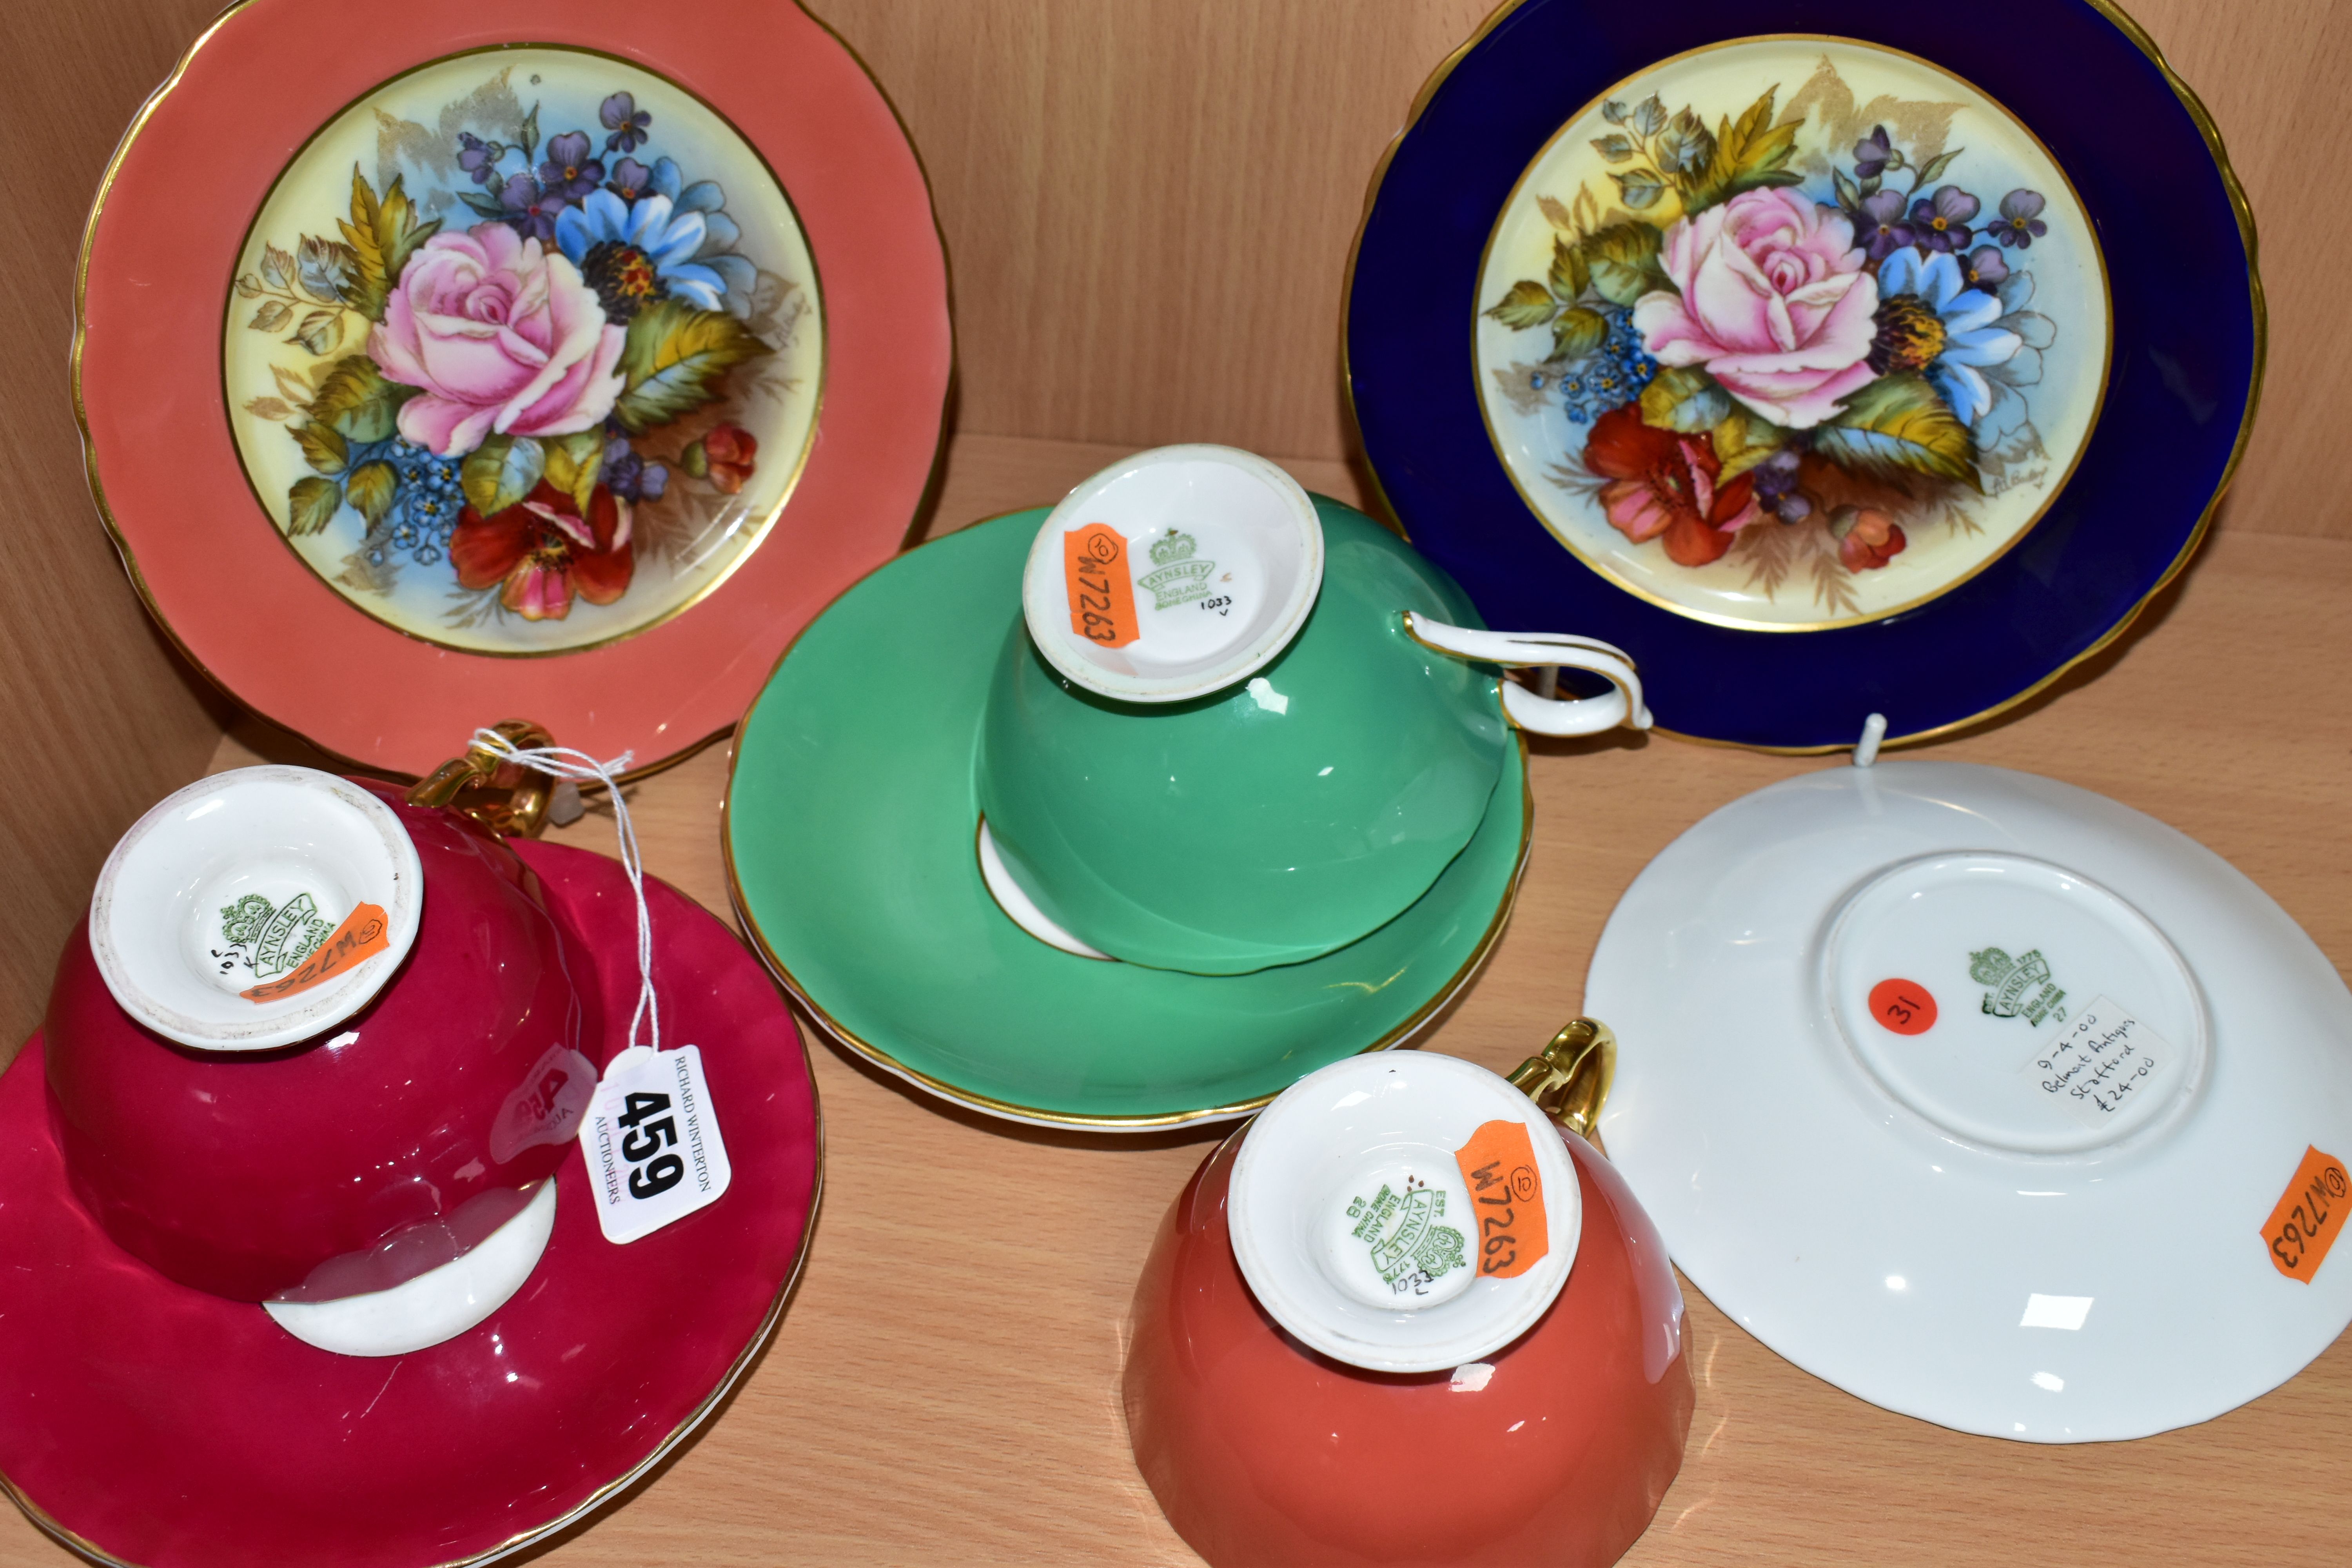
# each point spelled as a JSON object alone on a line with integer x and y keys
{"x": 370, "y": 489}
{"x": 1688, "y": 400}
{"x": 1614, "y": 148}
{"x": 1749, "y": 153}
{"x": 359, "y": 402}
{"x": 1578, "y": 332}
{"x": 1622, "y": 260}
{"x": 1897, "y": 425}
{"x": 500, "y": 472}
{"x": 1528, "y": 304}
{"x": 277, "y": 267}
{"x": 268, "y": 408}
{"x": 295, "y": 389}
{"x": 311, "y": 504}
{"x": 1936, "y": 165}
{"x": 321, "y": 331}
{"x": 1683, "y": 149}
{"x": 1649, "y": 116}
{"x": 1743, "y": 439}
{"x": 674, "y": 360}
{"x": 324, "y": 269}
{"x": 1639, "y": 189}
{"x": 272, "y": 315}
{"x": 528, "y": 137}
{"x": 1614, "y": 111}
{"x": 323, "y": 448}
{"x": 1569, "y": 272}
{"x": 398, "y": 232}
{"x": 573, "y": 462}
{"x": 1849, "y": 196}
{"x": 380, "y": 236}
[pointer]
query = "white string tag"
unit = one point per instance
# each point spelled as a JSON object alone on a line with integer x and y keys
{"x": 650, "y": 1138}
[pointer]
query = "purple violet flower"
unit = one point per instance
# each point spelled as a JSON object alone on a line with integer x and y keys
{"x": 1872, "y": 153}
{"x": 2020, "y": 219}
{"x": 1776, "y": 487}
{"x": 478, "y": 158}
{"x": 1942, "y": 222}
{"x": 569, "y": 174}
{"x": 629, "y": 476}
{"x": 1983, "y": 268}
{"x": 630, "y": 180}
{"x": 1881, "y": 228}
{"x": 529, "y": 210}
{"x": 626, "y": 123}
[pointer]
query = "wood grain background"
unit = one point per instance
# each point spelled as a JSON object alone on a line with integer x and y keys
{"x": 1147, "y": 205}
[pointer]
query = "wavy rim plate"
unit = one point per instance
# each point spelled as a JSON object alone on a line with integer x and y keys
{"x": 123, "y": 1473}
{"x": 893, "y": 871}
{"x": 165, "y": 472}
{"x": 2183, "y": 384}
{"x": 2040, "y": 1282}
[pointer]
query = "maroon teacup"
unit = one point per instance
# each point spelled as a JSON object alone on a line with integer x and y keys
{"x": 316, "y": 1043}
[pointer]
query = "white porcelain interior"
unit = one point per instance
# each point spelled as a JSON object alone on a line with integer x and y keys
{"x": 1352, "y": 1166}
{"x": 1020, "y": 908}
{"x": 229, "y": 883}
{"x": 437, "y": 1305}
{"x": 1221, "y": 552}
{"x": 1917, "y": 1215}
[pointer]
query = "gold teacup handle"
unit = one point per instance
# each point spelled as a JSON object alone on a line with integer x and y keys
{"x": 508, "y": 798}
{"x": 1569, "y": 1081}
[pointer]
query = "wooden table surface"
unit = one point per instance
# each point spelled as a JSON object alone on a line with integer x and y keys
{"x": 945, "y": 1391}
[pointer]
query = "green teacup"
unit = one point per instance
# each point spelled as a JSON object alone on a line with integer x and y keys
{"x": 1238, "y": 727}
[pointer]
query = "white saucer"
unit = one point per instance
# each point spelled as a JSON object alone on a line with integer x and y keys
{"x": 1983, "y": 1222}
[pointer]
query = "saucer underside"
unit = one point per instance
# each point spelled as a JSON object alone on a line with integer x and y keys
{"x": 849, "y": 838}
{"x": 2098, "y": 1293}
{"x": 145, "y": 1423}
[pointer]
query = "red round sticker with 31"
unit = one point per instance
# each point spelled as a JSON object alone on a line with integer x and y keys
{"x": 1902, "y": 1006}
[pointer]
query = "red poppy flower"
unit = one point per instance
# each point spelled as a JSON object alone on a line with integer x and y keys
{"x": 544, "y": 551}
{"x": 1867, "y": 540}
{"x": 724, "y": 457}
{"x": 1662, "y": 487}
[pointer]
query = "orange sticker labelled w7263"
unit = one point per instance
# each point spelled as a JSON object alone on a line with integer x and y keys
{"x": 362, "y": 935}
{"x": 2313, "y": 1209}
{"x": 1102, "y": 597}
{"x": 1506, "y": 1197}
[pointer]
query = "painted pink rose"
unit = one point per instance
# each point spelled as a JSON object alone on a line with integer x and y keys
{"x": 1774, "y": 304}
{"x": 504, "y": 337}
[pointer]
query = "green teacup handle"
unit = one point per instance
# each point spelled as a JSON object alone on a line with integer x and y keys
{"x": 1569, "y": 1079}
{"x": 1516, "y": 650}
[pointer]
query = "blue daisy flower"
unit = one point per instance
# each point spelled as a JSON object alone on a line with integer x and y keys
{"x": 1949, "y": 331}
{"x": 627, "y": 240}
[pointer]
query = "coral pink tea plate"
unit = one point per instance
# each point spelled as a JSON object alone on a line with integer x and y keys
{"x": 549, "y": 363}
{"x": 143, "y": 1422}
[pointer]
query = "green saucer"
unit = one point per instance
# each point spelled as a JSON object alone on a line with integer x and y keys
{"x": 850, "y": 842}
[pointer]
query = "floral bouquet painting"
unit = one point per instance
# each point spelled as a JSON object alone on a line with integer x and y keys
{"x": 1782, "y": 361}
{"x": 543, "y": 371}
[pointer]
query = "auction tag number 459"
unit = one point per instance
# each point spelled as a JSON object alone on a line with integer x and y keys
{"x": 652, "y": 1142}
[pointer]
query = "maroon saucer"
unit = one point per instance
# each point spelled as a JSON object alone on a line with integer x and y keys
{"x": 142, "y": 1422}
